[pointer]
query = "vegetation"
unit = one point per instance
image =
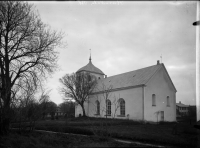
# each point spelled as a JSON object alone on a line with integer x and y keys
{"x": 29, "y": 110}
{"x": 78, "y": 87}
{"x": 47, "y": 106}
{"x": 67, "y": 108}
{"x": 27, "y": 55}
{"x": 192, "y": 112}
{"x": 45, "y": 140}
{"x": 187, "y": 135}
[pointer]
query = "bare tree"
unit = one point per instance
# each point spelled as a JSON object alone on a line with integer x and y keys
{"x": 28, "y": 109}
{"x": 78, "y": 87}
{"x": 24, "y": 106}
{"x": 51, "y": 109}
{"x": 44, "y": 100}
{"x": 26, "y": 51}
{"x": 116, "y": 104}
{"x": 104, "y": 93}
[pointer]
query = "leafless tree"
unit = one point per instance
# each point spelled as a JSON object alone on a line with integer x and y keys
{"x": 27, "y": 51}
{"x": 24, "y": 106}
{"x": 28, "y": 109}
{"x": 51, "y": 109}
{"x": 78, "y": 87}
{"x": 103, "y": 93}
{"x": 116, "y": 104}
{"x": 44, "y": 101}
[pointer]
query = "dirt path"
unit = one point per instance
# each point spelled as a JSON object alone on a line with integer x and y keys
{"x": 117, "y": 140}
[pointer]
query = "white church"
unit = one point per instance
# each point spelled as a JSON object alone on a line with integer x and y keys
{"x": 146, "y": 94}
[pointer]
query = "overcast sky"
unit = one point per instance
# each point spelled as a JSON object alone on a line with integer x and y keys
{"x": 125, "y": 36}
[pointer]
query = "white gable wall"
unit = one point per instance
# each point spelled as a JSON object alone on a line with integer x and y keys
{"x": 161, "y": 86}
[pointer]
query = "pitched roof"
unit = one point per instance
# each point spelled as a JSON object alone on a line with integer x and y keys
{"x": 182, "y": 105}
{"x": 91, "y": 68}
{"x": 130, "y": 79}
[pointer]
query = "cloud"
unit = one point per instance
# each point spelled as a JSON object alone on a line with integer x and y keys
{"x": 126, "y": 37}
{"x": 178, "y": 3}
{"x": 182, "y": 67}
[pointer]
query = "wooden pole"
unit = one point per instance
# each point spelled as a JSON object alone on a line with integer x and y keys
{"x": 198, "y": 62}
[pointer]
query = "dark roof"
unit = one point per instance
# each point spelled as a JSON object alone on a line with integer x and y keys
{"x": 91, "y": 68}
{"x": 182, "y": 105}
{"x": 131, "y": 79}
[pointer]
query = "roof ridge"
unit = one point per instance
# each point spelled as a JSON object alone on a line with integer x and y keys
{"x": 181, "y": 104}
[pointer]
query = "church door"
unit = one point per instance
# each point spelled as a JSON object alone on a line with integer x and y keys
{"x": 162, "y": 116}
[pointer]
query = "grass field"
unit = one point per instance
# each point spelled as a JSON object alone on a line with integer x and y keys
{"x": 130, "y": 130}
{"x": 44, "y": 140}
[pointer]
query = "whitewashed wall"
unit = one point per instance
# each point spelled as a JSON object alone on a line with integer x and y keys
{"x": 133, "y": 104}
{"x": 160, "y": 86}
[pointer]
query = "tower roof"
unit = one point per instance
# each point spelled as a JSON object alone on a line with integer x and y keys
{"x": 91, "y": 68}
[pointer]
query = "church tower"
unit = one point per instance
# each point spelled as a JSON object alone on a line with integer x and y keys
{"x": 90, "y": 68}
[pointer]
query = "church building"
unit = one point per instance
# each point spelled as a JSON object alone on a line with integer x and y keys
{"x": 146, "y": 94}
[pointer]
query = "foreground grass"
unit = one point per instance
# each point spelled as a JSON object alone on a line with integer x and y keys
{"x": 44, "y": 140}
{"x": 131, "y": 130}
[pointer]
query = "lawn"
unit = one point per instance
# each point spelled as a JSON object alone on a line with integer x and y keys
{"x": 45, "y": 140}
{"x": 125, "y": 129}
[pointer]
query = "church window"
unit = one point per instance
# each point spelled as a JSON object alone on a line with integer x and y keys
{"x": 122, "y": 106}
{"x": 108, "y": 106}
{"x": 168, "y": 103}
{"x": 98, "y": 107}
{"x": 153, "y": 100}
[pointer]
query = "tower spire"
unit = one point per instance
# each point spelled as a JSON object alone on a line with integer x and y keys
{"x": 90, "y": 59}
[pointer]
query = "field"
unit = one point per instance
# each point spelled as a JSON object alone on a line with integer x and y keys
{"x": 44, "y": 140}
{"x": 187, "y": 135}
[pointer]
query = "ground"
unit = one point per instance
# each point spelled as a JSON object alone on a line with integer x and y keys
{"x": 47, "y": 140}
{"x": 160, "y": 134}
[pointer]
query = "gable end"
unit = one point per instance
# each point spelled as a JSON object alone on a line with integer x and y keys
{"x": 163, "y": 66}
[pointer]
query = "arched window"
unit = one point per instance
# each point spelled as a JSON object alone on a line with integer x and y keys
{"x": 122, "y": 106}
{"x": 98, "y": 107}
{"x": 168, "y": 103}
{"x": 108, "y": 106}
{"x": 153, "y": 100}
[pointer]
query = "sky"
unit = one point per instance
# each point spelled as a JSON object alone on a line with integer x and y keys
{"x": 124, "y": 36}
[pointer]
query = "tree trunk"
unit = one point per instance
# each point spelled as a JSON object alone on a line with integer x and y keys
{"x": 5, "y": 120}
{"x": 84, "y": 115}
{"x": 5, "y": 112}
